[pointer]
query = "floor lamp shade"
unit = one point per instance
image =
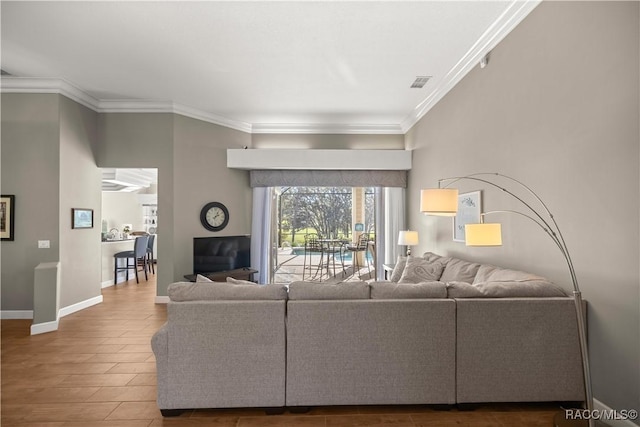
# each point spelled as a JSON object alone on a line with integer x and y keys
{"x": 483, "y": 234}
{"x": 439, "y": 201}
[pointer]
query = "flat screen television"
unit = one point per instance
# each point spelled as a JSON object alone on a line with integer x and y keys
{"x": 212, "y": 254}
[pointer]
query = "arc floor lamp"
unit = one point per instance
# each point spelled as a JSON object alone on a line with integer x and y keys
{"x": 443, "y": 201}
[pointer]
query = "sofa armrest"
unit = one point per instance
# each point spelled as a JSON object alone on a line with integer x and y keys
{"x": 160, "y": 347}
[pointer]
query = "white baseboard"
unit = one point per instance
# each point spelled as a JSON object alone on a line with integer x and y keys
{"x": 107, "y": 283}
{"x": 613, "y": 423}
{"x": 162, "y": 299}
{"x": 42, "y": 328}
{"x": 16, "y": 314}
{"x": 65, "y": 311}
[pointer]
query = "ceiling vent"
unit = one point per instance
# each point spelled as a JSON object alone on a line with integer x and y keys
{"x": 420, "y": 82}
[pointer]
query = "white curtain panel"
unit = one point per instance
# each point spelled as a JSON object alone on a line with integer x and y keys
{"x": 261, "y": 233}
{"x": 395, "y": 221}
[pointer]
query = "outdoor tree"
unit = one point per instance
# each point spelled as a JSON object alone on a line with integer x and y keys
{"x": 325, "y": 209}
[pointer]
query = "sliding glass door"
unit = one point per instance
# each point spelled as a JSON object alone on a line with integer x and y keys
{"x": 337, "y": 218}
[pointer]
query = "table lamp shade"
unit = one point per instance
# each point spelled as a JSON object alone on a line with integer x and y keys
{"x": 408, "y": 238}
{"x": 483, "y": 234}
{"x": 439, "y": 201}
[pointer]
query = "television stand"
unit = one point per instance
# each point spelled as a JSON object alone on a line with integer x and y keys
{"x": 221, "y": 276}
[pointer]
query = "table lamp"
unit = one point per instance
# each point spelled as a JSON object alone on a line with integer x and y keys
{"x": 408, "y": 238}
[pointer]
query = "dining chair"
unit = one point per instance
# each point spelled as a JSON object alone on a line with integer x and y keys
{"x": 150, "y": 256}
{"x": 138, "y": 255}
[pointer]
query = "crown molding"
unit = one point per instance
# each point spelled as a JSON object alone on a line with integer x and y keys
{"x": 505, "y": 23}
{"x": 10, "y": 84}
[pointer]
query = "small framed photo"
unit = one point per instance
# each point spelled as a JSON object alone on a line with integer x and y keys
{"x": 81, "y": 218}
{"x": 468, "y": 213}
{"x": 7, "y": 216}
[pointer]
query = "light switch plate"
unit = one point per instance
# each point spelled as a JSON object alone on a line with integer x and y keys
{"x": 44, "y": 244}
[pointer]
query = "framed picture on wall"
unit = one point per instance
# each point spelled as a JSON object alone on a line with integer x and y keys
{"x": 468, "y": 213}
{"x": 7, "y": 216}
{"x": 81, "y": 218}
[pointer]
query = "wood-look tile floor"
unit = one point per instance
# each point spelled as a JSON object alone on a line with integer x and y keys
{"x": 98, "y": 370}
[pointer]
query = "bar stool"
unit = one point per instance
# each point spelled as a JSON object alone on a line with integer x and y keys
{"x": 139, "y": 253}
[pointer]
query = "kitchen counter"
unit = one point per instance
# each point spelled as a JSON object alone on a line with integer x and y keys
{"x": 109, "y": 249}
{"x": 119, "y": 240}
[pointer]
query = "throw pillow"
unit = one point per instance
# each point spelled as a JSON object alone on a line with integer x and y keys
{"x": 389, "y": 290}
{"x": 430, "y": 256}
{"x": 420, "y": 270}
{"x": 396, "y": 274}
{"x": 239, "y": 282}
{"x": 458, "y": 270}
{"x": 202, "y": 279}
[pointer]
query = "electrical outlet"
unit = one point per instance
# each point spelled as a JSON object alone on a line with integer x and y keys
{"x": 44, "y": 244}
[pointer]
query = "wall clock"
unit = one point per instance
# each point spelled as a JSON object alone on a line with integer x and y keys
{"x": 214, "y": 216}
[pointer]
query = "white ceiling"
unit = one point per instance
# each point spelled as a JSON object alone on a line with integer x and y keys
{"x": 283, "y": 66}
{"x": 129, "y": 180}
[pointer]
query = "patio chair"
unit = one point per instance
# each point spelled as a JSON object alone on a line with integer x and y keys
{"x": 312, "y": 246}
{"x": 362, "y": 245}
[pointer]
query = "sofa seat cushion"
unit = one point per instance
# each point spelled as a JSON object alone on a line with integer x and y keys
{"x": 459, "y": 270}
{"x": 188, "y": 291}
{"x": 324, "y": 291}
{"x": 421, "y": 270}
{"x": 491, "y": 273}
{"x": 390, "y": 290}
{"x": 506, "y": 289}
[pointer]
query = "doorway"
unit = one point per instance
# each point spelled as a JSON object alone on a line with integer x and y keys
{"x": 129, "y": 208}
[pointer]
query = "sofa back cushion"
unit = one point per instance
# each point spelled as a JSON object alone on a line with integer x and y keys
{"x": 505, "y": 289}
{"x": 391, "y": 290}
{"x": 188, "y": 291}
{"x": 324, "y": 291}
{"x": 491, "y": 273}
{"x": 458, "y": 270}
{"x": 422, "y": 270}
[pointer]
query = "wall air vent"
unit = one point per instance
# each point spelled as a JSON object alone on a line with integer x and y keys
{"x": 420, "y": 82}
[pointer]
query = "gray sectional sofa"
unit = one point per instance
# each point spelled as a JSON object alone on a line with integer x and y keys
{"x": 446, "y": 331}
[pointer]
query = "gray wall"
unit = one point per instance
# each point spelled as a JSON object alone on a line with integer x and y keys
{"x": 145, "y": 141}
{"x": 30, "y": 170}
{"x": 328, "y": 141}
{"x": 80, "y": 187}
{"x": 558, "y": 108}
{"x": 48, "y": 163}
{"x": 191, "y": 159}
{"x": 202, "y": 176}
